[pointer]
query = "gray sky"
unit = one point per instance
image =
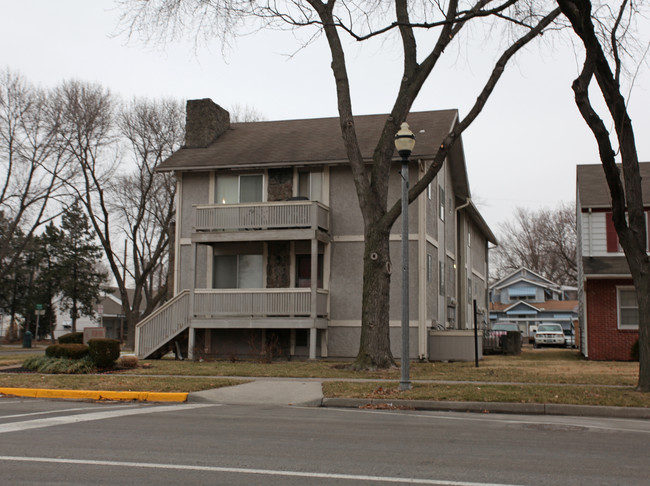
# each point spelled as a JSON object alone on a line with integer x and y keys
{"x": 521, "y": 152}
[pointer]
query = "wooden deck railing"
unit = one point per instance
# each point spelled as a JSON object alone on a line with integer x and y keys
{"x": 260, "y": 216}
{"x": 175, "y": 316}
{"x": 168, "y": 321}
{"x": 257, "y": 302}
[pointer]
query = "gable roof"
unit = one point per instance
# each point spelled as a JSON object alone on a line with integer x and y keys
{"x": 303, "y": 142}
{"x": 593, "y": 191}
{"x": 506, "y": 282}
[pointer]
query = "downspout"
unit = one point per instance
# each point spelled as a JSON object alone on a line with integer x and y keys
{"x": 461, "y": 258}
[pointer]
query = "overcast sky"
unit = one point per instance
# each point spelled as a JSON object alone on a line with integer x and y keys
{"x": 521, "y": 152}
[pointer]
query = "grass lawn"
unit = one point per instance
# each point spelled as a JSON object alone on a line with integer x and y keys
{"x": 532, "y": 366}
{"x": 570, "y": 395}
{"x": 535, "y": 376}
{"x": 16, "y": 358}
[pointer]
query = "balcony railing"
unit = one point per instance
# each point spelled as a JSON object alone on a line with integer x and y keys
{"x": 261, "y": 216}
{"x": 258, "y": 302}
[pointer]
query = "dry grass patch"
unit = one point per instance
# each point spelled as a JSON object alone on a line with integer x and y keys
{"x": 532, "y": 366}
{"x": 115, "y": 382}
{"x": 292, "y": 369}
{"x": 16, "y": 359}
{"x": 571, "y": 395}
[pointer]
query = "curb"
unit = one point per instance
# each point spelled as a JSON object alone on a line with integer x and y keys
{"x": 94, "y": 395}
{"x": 492, "y": 407}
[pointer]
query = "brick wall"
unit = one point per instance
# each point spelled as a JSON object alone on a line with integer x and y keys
{"x": 604, "y": 340}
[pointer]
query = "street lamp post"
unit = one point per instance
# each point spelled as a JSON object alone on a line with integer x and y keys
{"x": 404, "y": 143}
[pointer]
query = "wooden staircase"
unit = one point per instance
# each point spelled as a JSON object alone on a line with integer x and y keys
{"x": 156, "y": 332}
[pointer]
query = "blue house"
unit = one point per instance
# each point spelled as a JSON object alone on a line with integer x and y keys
{"x": 528, "y": 298}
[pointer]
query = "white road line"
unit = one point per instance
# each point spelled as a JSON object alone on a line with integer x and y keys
{"x": 49, "y": 412}
{"x": 87, "y": 417}
{"x": 238, "y": 470}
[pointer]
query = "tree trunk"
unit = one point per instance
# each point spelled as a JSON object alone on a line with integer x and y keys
{"x": 643, "y": 298}
{"x": 374, "y": 345}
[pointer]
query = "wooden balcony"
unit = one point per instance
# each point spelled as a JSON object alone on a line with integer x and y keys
{"x": 270, "y": 220}
{"x": 258, "y": 303}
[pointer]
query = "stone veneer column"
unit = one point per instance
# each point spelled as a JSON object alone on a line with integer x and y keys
{"x": 280, "y": 188}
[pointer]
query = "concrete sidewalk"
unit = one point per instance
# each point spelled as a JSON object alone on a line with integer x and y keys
{"x": 264, "y": 392}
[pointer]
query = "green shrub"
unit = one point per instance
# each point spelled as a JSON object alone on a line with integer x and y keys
{"x": 127, "y": 362}
{"x": 72, "y": 338}
{"x": 69, "y": 351}
{"x": 104, "y": 352}
{"x": 635, "y": 351}
{"x": 44, "y": 364}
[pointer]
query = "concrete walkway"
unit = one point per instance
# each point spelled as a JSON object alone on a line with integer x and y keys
{"x": 264, "y": 392}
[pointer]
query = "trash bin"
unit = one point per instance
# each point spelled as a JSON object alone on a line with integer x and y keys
{"x": 27, "y": 340}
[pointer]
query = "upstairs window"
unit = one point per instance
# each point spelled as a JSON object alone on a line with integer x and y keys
{"x": 234, "y": 189}
{"x": 441, "y": 202}
{"x": 310, "y": 185}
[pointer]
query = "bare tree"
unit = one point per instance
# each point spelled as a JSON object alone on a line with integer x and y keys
{"x": 32, "y": 166}
{"x": 412, "y": 22}
{"x": 245, "y": 113}
{"x": 141, "y": 202}
{"x": 144, "y": 200}
{"x": 543, "y": 241}
{"x": 604, "y": 51}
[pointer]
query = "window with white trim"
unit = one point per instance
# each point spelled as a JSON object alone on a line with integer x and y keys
{"x": 237, "y": 272}
{"x": 627, "y": 308}
{"x": 234, "y": 189}
{"x": 310, "y": 185}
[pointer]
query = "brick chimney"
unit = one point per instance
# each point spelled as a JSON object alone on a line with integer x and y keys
{"x": 205, "y": 122}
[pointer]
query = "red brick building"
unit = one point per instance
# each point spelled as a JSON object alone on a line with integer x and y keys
{"x": 609, "y": 320}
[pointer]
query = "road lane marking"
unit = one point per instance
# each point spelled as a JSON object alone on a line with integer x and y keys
{"x": 50, "y": 412}
{"x": 239, "y": 470}
{"x": 87, "y": 417}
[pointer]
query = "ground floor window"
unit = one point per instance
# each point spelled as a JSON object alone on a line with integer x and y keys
{"x": 303, "y": 271}
{"x": 627, "y": 308}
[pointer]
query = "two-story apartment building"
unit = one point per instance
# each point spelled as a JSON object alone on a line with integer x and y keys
{"x": 269, "y": 239}
{"x": 608, "y": 309}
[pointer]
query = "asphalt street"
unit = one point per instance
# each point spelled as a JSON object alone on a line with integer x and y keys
{"x": 56, "y": 442}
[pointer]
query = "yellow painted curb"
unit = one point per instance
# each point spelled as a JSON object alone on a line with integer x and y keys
{"x": 95, "y": 394}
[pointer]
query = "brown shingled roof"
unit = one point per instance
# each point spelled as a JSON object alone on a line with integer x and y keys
{"x": 593, "y": 191}
{"x": 298, "y": 142}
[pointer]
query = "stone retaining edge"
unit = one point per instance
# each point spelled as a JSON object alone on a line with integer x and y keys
{"x": 492, "y": 407}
